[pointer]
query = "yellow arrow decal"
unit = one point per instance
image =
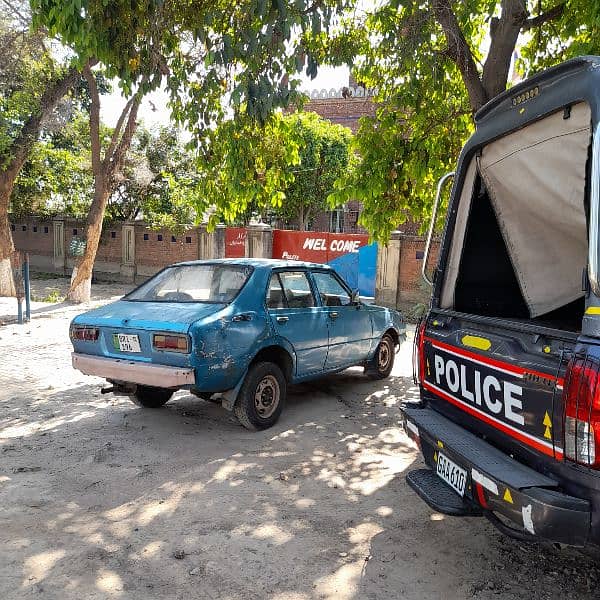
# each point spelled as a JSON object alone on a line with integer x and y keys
{"x": 508, "y": 496}
{"x": 548, "y": 423}
{"x": 435, "y": 456}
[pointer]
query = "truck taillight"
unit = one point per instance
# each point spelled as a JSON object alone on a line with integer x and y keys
{"x": 171, "y": 343}
{"x": 85, "y": 334}
{"x": 582, "y": 412}
{"x": 419, "y": 353}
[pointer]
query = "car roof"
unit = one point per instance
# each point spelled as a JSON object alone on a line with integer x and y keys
{"x": 258, "y": 263}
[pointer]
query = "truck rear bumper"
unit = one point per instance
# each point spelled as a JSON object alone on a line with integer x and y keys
{"x": 497, "y": 483}
{"x": 130, "y": 371}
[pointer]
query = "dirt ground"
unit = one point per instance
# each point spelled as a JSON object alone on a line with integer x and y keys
{"x": 100, "y": 499}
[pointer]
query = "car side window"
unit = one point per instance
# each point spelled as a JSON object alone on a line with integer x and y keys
{"x": 296, "y": 288}
{"x": 331, "y": 291}
{"x": 275, "y": 295}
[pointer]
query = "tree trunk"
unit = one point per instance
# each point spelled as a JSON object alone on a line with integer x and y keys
{"x": 80, "y": 289}
{"x": 301, "y": 219}
{"x": 7, "y": 286}
{"x": 504, "y": 32}
{"x": 17, "y": 154}
{"x": 104, "y": 177}
{"x": 459, "y": 51}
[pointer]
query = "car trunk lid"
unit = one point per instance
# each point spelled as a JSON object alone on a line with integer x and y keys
{"x": 127, "y": 328}
{"x": 173, "y": 317}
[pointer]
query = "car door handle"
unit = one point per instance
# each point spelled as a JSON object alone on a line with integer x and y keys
{"x": 333, "y": 315}
{"x": 242, "y": 317}
{"x": 283, "y": 319}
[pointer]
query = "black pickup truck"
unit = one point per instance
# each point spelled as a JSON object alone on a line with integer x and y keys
{"x": 508, "y": 356}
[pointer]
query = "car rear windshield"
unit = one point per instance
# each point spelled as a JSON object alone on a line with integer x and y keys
{"x": 193, "y": 283}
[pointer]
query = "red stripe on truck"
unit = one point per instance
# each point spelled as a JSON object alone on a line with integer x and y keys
{"x": 529, "y": 440}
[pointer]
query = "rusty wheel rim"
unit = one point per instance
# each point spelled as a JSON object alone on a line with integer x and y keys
{"x": 266, "y": 396}
{"x": 384, "y": 355}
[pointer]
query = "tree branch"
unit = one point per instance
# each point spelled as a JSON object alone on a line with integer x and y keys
{"x": 115, "y": 160}
{"x": 24, "y": 20}
{"x": 117, "y": 130}
{"x": 30, "y": 131}
{"x": 94, "y": 122}
{"x": 552, "y": 14}
{"x": 504, "y": 31}
{"x": 458, "y": 51}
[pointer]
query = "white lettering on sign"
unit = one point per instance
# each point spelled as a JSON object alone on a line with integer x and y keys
{"x": 286, "y": 254}
{"x": 315, "y": 244}
{"x": 320, "y": 244}
{"x": 347, "y": 246}
{"x": 498, "y": 395}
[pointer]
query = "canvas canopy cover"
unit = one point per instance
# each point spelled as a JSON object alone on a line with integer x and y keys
{"x": 535, "y": 179}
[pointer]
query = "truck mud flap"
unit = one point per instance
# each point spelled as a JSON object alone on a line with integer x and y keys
{"x": 495, "y": 483}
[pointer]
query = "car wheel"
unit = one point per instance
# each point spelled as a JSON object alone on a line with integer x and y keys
{"x": 151, "y": 397}
{"x": 261, "y": 397}
{"x": 382, "y": 363}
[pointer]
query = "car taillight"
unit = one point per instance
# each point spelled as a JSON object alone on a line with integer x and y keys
{"x": 85, "y": 334}
{"x": 581, "y": 397}
{"x": 171, "y": 343}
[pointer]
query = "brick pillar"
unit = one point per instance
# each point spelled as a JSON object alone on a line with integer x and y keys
{"x": 387, "y": 284}
{"x": 128, "y": 266}
{"x": 219, "y": 241}
{"x": 204, "y": 246}
{"x": 211, "y": 244}
{"x": 259, "y": 241}
{"x": 60, "y": 256}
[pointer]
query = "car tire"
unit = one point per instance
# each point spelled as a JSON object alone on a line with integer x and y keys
{"x": 151, "y": 397}
{"x": 261, "y": 397}
{"x": 382, "y": 363}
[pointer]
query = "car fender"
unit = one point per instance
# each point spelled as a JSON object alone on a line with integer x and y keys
{"x": 384, "y": 320}
{"x": 230, "y": 396}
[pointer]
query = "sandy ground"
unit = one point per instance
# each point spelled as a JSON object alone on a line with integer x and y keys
{"x": 100, "y": 499}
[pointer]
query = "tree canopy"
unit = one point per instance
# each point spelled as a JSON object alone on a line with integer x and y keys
{"x": 212, "y": 55}
{"x": 432, "y": 65}
{"x": 157, "y": 177}
{"x": 57, "y": 177}
{"x": 324, "y": 154}
{"x": 285, "y": 167}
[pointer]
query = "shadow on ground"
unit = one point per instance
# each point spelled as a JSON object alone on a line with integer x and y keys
{"x": 104, "y": 500}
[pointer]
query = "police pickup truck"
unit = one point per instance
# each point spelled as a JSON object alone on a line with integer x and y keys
{"x": 508, "y": 356}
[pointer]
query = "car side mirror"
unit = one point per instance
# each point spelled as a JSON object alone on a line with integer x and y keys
{"x": 355, "y": 297}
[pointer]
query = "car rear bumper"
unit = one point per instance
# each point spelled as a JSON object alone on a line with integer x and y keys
{"x": 530, "y": 501}
{"x": 130, "y": 371}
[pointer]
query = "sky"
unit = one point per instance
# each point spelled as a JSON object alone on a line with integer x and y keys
{"x": 153, "y": 111}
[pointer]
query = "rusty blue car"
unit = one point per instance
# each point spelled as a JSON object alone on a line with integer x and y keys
{"x": 234, "y": 331}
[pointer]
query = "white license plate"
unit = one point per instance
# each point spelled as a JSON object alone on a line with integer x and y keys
{"x": 452, "y": 474}
{"x": 128, "y": 342}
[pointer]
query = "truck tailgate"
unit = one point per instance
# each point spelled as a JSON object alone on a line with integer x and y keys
{"x": 505, "y": 385}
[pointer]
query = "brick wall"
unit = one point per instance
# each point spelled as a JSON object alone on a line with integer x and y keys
{"x": 110, "y": 246}
{"x": 33, "y": 236}
{"x": 399, "y": 281}
{"x": 163, "y": 247}
{"x": 412, "y": 288}
{"x": 343, "y": 111}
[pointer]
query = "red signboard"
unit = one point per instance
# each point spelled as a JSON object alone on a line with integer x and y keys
{"x": 235, "y": 242}
{"x": 315, "y": 246}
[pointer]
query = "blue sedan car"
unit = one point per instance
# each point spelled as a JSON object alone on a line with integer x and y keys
{"x": 234, "y": 330}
